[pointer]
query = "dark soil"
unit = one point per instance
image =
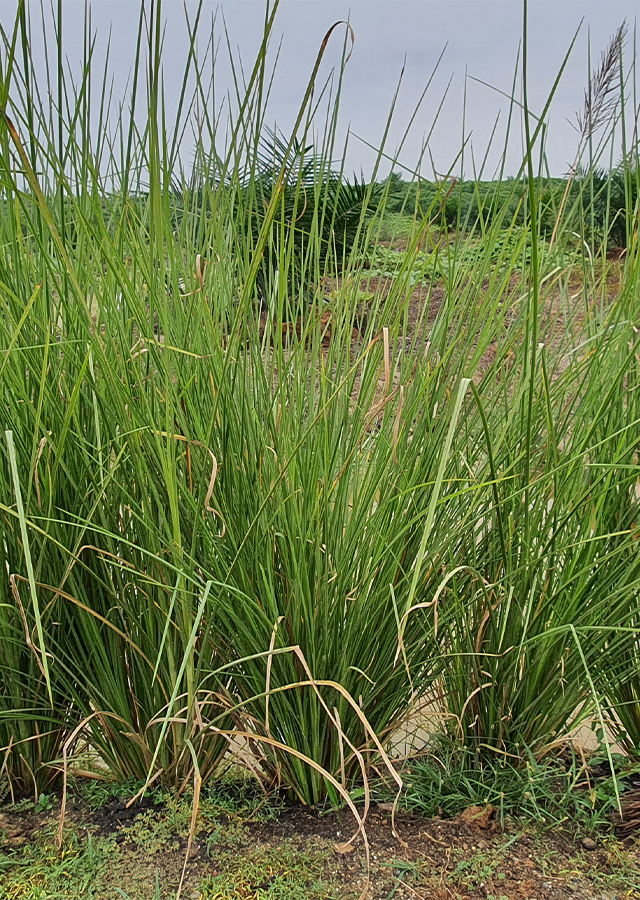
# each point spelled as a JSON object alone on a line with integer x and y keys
{"x": 116, "y": 815}
{"x": 433, "y": 858}
{"x": 470, "y": 856}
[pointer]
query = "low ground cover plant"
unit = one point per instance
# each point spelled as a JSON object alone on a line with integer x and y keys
{"x": 448, "y": 779}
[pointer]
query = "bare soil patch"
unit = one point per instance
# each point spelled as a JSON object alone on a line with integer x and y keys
{"x": 139, "y": 851}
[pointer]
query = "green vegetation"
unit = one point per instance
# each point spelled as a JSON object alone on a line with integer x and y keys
{"x": 596, "y": 208}
{"x": 254, "y": 493}
{"x": 245, "y": 851}
{"x": 450, "y": 779}
{"x": 285, "y": 872}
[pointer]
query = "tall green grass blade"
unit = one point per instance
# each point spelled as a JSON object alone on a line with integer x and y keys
{"x": 43, "y": 661}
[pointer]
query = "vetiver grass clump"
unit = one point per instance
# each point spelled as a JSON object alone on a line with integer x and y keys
{"x": 235, "y": 506}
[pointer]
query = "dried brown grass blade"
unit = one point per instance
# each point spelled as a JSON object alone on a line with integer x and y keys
{"x": 197, "y": 785}
{"x": 387, "y": 360}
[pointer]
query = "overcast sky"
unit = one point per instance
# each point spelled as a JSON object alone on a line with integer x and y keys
{"x": 481, "y": 37}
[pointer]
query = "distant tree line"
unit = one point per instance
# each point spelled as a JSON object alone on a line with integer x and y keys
{"x": 601, "y": 206}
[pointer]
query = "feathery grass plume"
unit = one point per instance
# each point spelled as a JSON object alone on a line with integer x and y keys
{"x": 601, "y": 100}
{"x": 602, "y": 96}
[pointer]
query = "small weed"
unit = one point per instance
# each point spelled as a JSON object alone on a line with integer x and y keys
{"x": 286, "y": 872}
{"x": 40, "y": 871}
{"x": 477, "y": 869}
{"x": 239, "y": 795}
{"x": 97, "y": 793}
{"x": 448, "y": 779}
{"x": 156, "y": 895}
{"x": 622, "y": 869}
{"x": 233, "y": 834}
{"x": 20, "y": 806}
{"x": 405, "y": 873}
{"x": 222, "y": 811}
{"x": 45, "y": 802}
{"x": 158, "y": 831}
